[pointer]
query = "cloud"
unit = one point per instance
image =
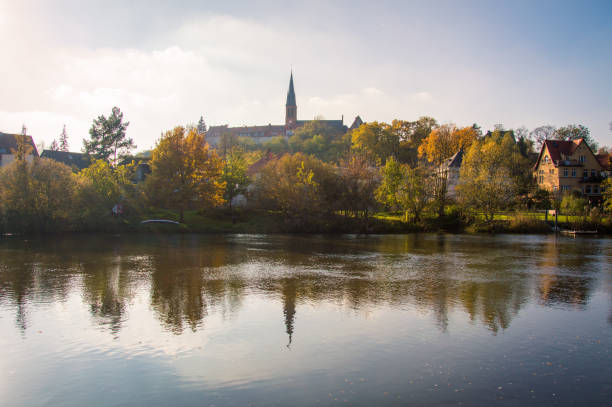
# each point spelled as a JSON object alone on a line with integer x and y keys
{"x": 421, "y": 96}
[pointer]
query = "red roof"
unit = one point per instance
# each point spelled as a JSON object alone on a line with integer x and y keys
{"x": 258, "y": 165}
{"x": 557, "y": 148}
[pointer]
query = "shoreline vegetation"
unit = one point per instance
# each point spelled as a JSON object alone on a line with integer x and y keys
{"x": 375, "y": 179}
{"x": 223, "y": 221}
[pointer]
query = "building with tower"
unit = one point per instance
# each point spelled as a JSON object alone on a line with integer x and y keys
{"x": 263, "y": 133}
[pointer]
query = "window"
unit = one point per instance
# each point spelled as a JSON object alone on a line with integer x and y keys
{"x": 585, "y": 174}
{"x": 592, "y": 173}
{"x": 582, "y": 158}
{"x": 573, "y": 172}
{"x": 546, "y": 159}
{"x": 565, "y": 172}
{"x": 540, "y": 179}
{"x": 587, "y": 189}
{"x": 595, "y": 189}
{"x": 551, "y": 171}
{"x": 555, "y": 188}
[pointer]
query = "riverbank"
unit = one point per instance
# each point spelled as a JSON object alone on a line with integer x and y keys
{"x": 264, "y": 222}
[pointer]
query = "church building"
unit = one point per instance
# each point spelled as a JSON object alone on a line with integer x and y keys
{"x": 262, "y": 134}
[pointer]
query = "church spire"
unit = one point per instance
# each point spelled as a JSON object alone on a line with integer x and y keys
{"x": 291, "y": 92}
{"x": 291, "y": 106}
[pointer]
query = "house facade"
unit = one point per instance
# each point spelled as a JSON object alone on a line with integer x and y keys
{"x": 450, "y": 171}
{"x": 569, "y": 166}
{"x": 8, "y": 144}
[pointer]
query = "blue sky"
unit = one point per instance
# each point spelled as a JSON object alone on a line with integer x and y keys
{"x": 165, "y": 64}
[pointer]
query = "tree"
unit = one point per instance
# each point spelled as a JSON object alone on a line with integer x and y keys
{"x": 63, "y": 140}
{"x": 486, "y": 183}
{"x": 108, "y": 137}
{"x": 36, "y": 196}
{"x": 234, "y": 175}
{"x": 606, "y": 187}
{"x": 358, "y": 181}
{"x": 184, "y": 172}
{"x": 575, "y": 132}
{"x": 410, "y": 135}
{"x": 54, "y": 146}
{"x": 391, "y": 179}
{"x": 443, "y": 142}
{"x": 414, "y": 192}
{"x": 542, "y": 133}
{"x": 201, "y": 125}
{"x": 302, "y": 188}
{"x": 375, "y": 141}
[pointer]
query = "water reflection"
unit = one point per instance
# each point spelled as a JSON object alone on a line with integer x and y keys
{"x": 188, "y": 278}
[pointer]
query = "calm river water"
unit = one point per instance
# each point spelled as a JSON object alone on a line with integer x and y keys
{"x": 262, "y": 320}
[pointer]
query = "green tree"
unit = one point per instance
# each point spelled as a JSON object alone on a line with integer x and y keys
{"x": 184, "y": 172}
{"x": 108, "y": 137}
{"x": 391, "y": 179}
{"x": 63, "y": 140}
{"x": 234, "y": 175}
{"x": 606, "y": 186}
{"x": 415, "y": 192}
{"x": 201, "y": 125}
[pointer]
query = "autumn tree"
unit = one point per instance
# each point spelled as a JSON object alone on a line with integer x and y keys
{"x": 443, "y": 142}
{"x": 184, "y": 172}
{"x": 108, "y": 137}
{"x": 486, "y": 184}
{"x": 318, "y": 138}
{"x": 359, "y": 182}
{"x": 302, "y": 188}
{"x": 410, "y": 135}
{"x": 375, "y": 141}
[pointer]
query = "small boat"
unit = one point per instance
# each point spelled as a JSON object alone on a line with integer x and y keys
{"x": 159, "y": 221}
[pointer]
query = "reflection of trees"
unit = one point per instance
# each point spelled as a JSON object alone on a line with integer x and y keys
{"x": 29, "y": 274}
{"x": 567, "y": 276}
{"x": 188, "y": 282}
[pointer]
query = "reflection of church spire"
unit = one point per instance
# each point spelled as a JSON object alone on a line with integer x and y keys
{"x": 289, "y": 293}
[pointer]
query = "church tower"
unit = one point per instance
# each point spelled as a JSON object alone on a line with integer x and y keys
{"x": 291, "y": 106}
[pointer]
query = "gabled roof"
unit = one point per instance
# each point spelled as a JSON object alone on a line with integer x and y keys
{"x": 258, "y": 165}
{"x": 8, "y": 142}
{"x": 560, "y": 149}
{"x": 455, "y": 161}
{"x": 356, "y": 123}
{"x": 78, "y": 160}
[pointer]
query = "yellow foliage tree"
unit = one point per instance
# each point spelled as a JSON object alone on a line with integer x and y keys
{"x": 184, "y": 172}
{"x": 444, "y": 141}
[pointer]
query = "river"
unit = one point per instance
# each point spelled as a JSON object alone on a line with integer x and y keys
{"x": 267, "y": 320}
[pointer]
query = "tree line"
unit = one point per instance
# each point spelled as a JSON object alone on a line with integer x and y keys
{"x": 318, "y": 179}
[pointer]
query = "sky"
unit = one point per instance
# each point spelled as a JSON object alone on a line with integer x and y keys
{"x": 518, "y": 63}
